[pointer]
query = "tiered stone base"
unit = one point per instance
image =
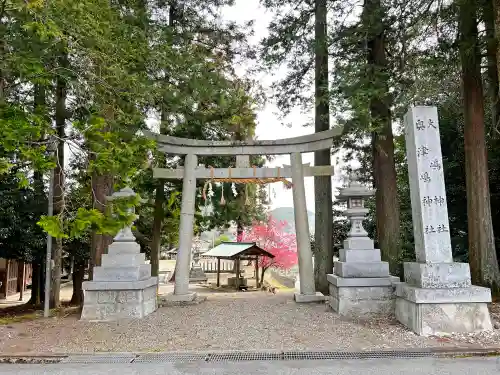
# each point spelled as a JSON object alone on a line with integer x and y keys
{"x": 435, "y": 311}
{"x": 112, "y": 300}
{"x": 361, "y": 296}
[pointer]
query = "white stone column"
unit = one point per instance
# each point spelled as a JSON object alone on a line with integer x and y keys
{"x": 182, "y": 264}
{"x": 306, "y": 271}
{"x": 437, "y": 295}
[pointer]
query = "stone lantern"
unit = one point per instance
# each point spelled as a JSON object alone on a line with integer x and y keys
{"x": 355, "y": 195}
{"x": 122, "y": 286}
{"x": 360, "y": 283}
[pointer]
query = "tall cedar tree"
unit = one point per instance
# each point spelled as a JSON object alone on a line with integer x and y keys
{"x": 59, "y": 179}
{"x": 322, "y": 184}
{"x": 482, "y": 253}
{"x": 160, "y": 199}
{"x": 384, "y": 170}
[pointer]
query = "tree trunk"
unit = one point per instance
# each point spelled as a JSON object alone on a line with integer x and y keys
{"x": 37, "y": 284}
{"x": 102, "y": 186}
{"x": 158, "y": 216}
{"x": 77, "y": 277}
{"x": 159, "y": 212}
{"x": 492, "y": 72}
{"x": 262, "y": 272}
{"x": 3, "y": 7}
{"x": 323, "y": 263}
{"x": 496, "y": 12}
{"x": 384, "y": 169}
{"x": 482, "y": 253}
{"x": 239, "y": 229}
{"x": 38, "y": 273}
{"x": 59, "y": 180}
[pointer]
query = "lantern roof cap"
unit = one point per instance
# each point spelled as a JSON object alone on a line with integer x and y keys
{"x": 354, "y": 189}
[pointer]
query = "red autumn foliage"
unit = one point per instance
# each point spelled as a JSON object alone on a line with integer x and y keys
{"x": 272, "y": 237}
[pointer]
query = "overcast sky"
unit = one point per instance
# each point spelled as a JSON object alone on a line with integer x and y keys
{"x": 269, "y": 125}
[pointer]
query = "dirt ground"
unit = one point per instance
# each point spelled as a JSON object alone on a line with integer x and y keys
{"x": 227, "y": 321}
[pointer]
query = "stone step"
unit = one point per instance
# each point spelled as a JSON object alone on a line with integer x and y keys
{"x": 123, "y": 260}
{"x": 437, "y": 275}
{"x": 472, "y": 294}
{"x": 351, "y": 255}
{"x": 362, "y": 281}
{"x": 134, "y": 273}
{"x": 119, "y": 285}
{"x": 124, "y": 248}
{"x": 361, "y": 269}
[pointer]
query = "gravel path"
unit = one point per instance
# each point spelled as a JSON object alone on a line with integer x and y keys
{"x": 227, "y": 321}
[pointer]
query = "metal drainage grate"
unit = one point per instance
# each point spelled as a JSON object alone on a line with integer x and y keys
{"x": 99, "y": 358}
{"x": 171, "y": 357}
{"x": 245, "y": 356}
{"x": 309, "y": 355}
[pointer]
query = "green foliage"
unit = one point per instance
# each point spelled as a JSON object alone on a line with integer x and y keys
{"x": 85, "y": 219}
{"x": 20, "y": 209}
{"x": 221, "y": 239}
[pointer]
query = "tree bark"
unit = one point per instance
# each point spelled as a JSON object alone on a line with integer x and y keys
{"x": 496, "y": 13}
{"x": 37, "y": 284}
{"x": 3, "y": 6}
{"x": 482, "y": 253}
{"x": 492, "y": 72}
{"x": 323, "y": 263}
{"x": 77, "y": 277}
{"x": 59, "y": 180}
{"x": 384, "y": 169}
{"x": 102, "y": 187}
{"x": 38, "y": 273}
{"x": 262, "y": 272}
{"x": 158, "y": 216}
{"x": 159, "y": 212}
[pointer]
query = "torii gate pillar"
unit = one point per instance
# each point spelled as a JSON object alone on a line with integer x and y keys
{"x": 181, "y": 289}
{"x": 306, "y": 272}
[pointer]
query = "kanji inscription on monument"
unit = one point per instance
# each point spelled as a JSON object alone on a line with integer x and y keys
{"x": 428, "y": 194}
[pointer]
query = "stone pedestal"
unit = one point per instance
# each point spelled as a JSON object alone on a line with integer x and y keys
{"x": 122, "y": 286}
{"x": 429, "y": 311}
{"x": 361, "y": 284}
{"x": 437, "y": 296}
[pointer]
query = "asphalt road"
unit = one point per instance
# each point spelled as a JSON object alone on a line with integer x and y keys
{"x": 466, "y": 366}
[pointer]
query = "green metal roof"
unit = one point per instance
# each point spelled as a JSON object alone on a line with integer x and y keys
{"x": 234, "y": 249}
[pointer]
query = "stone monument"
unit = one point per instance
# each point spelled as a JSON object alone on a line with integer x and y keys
{"x": 122, "y": 286}
{"x": 437, "y": 296}
{"x": 361, "y": 283}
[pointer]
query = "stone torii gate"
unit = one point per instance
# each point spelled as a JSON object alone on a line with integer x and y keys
{"x": 191, "y": 171}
